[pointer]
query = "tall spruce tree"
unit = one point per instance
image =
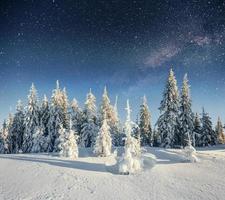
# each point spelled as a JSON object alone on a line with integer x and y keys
{"x": 145, "y": 124}
{"x": 169, "y": 113}
{"x": 31, "y": 120}
{"x": 17, "y": 131}
{"x": 208, "y": 136}
{"x": 89, "y": 127}
{"x": 220, "y": 132}
{"x": 65, "y": 105}
{"x": 57, "y": 117}
{"x": 45, "y": 115}
{"x": 186, "y": 125}
{"x": 44, "y": 125}
{"x": 197, "y": 131}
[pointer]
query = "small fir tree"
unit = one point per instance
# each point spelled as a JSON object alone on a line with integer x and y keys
{"x": 220, "y": 132}
{"x": 68, "y": 144}
{"x": 208, "y": 136}
{"x": 197, "y": 131}
{"x": 145, "y": 124}
{"x": 103, "y": 144}
{"x": 130, "y": 161}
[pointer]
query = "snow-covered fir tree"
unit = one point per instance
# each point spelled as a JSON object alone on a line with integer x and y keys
{"x": 130, "y": 161}
{"x": 103, "y": 143}
{"x": 45, "y": 114}
{"x": 106, "y": 109}
{"x": 65, "y": 105}
{"x": 9, "y": 123}
{"x": 76, "y": 116}
{"x": 44, "y": 123}
{"x": 67, "y": 144}
{"x": 89, "y": 127}
{"x": 38, "y": 139}
{"x": 2, "y": 143}
{"x": 186, "y": 125}
{"x": 17, "y": 129}
{"x": 57, "y": 117}
{"x": 208, "y": 136}
{"x": 190, "y": 151}
{"x": 169, "y": 113}
{"x": 197, "y": 131}
{"x": 4, "y": 138}
{"x": 31, "y": 120}
{"x": 156, "y": 138}
{"x": 220, "y": 132}
{"x": 117, "y": 139}
{"x": 145, "y": 124}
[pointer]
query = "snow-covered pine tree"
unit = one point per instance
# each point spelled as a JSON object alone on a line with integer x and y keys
{"x": 68, "y": 143}
{"x": 17, "y": 130}
{"x": 186, "y": 125}
{"x": 156, "y": 138}
{"x": 38, "y": 140}
{"x": 76, "y": 116}
{"x": 89, "y": 127}
{"x": 169, "y": 110}
{"x": 208, "y": 136}
{"x": 117, "y": 132}
{"x": 2, "y": 142}
{"x": 57, "y": 117}
{"x": 220, "y": 132}
{"x": 106, "y": 109}
{"x": 31, "y": 120}
{"x": 130, "y": 161}
{"x": 4, "y": 138}
{"x": 65, "y": 105}
{"x": 103, "y": 143}
{"x": 145, "y": 124}
{"x": 45, "y": 115}
{"x": 44, "y": 122}
{"x": 197, "y": 131}
{"x": 190, "y": 151}
{"x": 9, "y": 123}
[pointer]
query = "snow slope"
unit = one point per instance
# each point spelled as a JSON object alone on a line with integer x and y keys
{"x": 42, "y": 176}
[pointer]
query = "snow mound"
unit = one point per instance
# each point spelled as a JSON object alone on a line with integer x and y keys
{"x": 117, "y": 165}
{"x": 189, "y": 154}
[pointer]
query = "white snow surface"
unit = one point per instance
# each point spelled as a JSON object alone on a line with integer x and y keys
{"x": 43, "y": 176}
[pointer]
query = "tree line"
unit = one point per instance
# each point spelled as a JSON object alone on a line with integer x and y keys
{"x": 41, "y": 126}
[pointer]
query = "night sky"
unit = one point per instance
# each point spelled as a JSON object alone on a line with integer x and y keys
{"x": 129, "y": 46}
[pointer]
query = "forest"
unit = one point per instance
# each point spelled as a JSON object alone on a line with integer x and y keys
{"x": 50, "y": 126}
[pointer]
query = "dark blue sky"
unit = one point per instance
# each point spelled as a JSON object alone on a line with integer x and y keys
{"x": 127, "y": 45}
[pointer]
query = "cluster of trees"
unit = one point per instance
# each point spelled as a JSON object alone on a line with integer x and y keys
{"x": 177, "y": 121}
{"x": 59, "y": 125}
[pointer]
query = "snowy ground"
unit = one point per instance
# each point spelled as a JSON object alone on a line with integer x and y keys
{"x": 27, "y": 176}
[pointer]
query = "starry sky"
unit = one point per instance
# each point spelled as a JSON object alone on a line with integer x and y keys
{"x": 129, "y": 46}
